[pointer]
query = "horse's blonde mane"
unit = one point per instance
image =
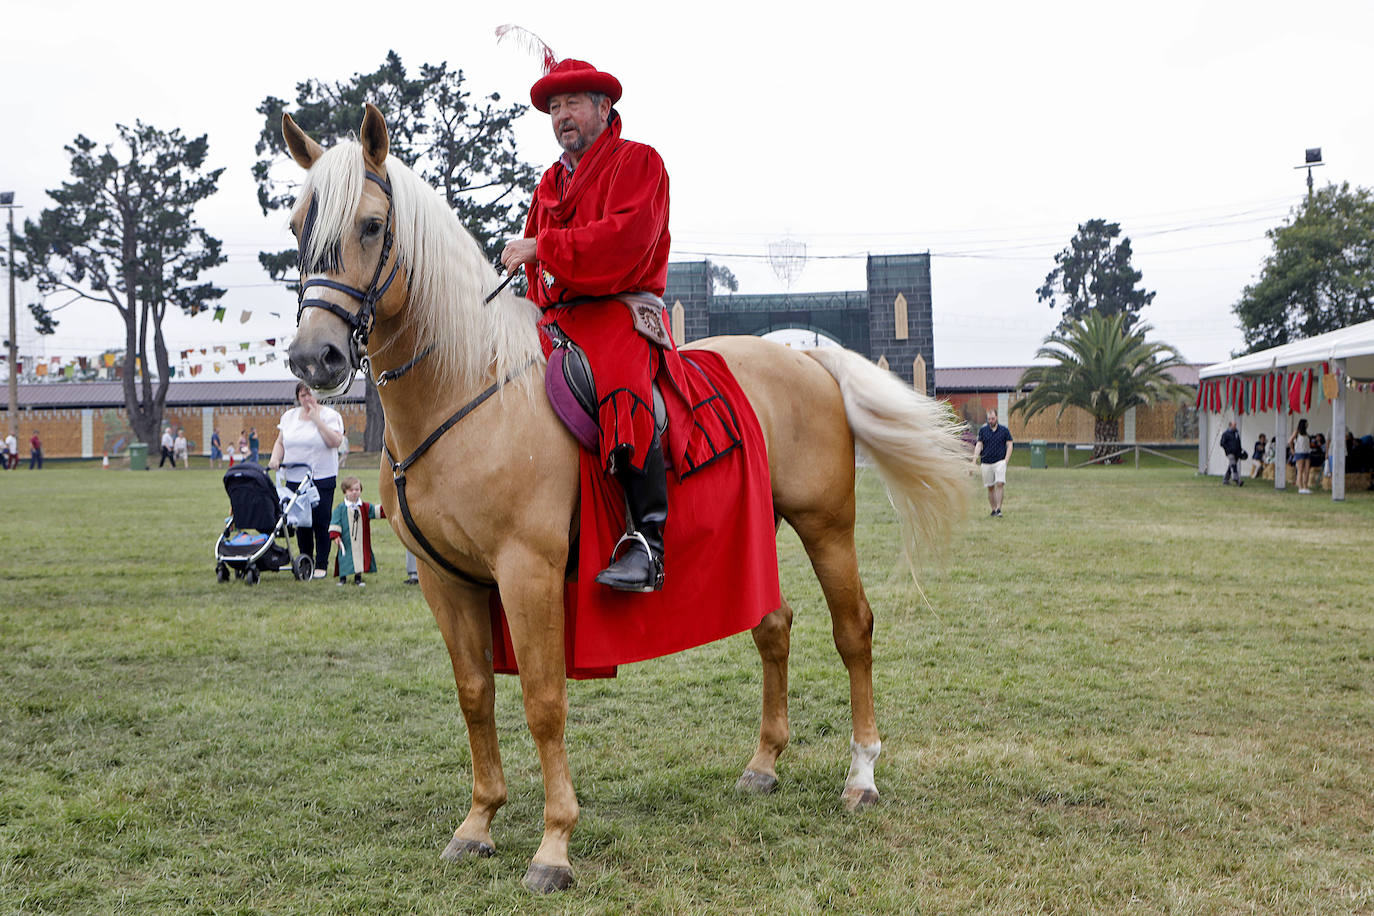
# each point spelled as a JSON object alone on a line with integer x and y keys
{"x": 448, "y": 274}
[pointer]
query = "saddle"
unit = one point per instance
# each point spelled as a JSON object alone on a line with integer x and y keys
{"x": 572, "y": 391}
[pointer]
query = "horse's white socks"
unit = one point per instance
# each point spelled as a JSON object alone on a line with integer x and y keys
{"x": 862, "y": 758}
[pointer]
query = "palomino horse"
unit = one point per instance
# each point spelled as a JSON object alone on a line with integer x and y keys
{"x": 496, "y": 497}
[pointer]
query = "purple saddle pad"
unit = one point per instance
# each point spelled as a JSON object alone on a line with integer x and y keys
{"x": 580, "y": 423}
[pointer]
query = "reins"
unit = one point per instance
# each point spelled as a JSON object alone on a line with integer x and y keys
{"x": 391, "y": 375}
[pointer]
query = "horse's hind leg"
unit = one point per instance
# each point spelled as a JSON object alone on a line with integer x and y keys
{"x": 773, "y": 637}
{"x": 831, "y": 548}
{"x": 465, "y": 623}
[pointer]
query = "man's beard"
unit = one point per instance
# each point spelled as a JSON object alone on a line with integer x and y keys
{"x": 575, "y": 144}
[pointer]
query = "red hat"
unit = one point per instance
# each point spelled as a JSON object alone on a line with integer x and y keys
{"x": 573, "y": 76}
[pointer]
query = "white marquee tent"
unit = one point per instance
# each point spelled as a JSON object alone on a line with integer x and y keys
{"x": 1348, "y": 354}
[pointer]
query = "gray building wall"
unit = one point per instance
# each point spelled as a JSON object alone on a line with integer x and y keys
{"x": 864, "y": 321}
{"x": 909, "y": 275}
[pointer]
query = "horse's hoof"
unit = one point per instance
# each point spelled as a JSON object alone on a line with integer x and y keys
{"x": 459, "y": 848}
{"x": 857, "y": 799}
{"x": 545, "y": 879}
{"x": 756, "y": 783}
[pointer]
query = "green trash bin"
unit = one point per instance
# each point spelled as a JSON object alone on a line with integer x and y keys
{"x": 1038, "y": 453}
{"x": 138, "y": 456}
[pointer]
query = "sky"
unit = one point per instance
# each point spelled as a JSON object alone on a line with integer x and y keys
{"x": 982, "y": 133}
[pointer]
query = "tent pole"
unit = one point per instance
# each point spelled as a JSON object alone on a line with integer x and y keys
{"x": 1281, "y": 441}
{"x": 1202, "y": 438}
{"x": 1338, "y": 434}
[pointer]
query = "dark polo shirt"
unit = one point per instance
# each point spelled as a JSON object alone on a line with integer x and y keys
{"x": 994, "y": 442}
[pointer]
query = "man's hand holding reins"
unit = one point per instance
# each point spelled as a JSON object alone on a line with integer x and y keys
{"x": 517, "y": 253}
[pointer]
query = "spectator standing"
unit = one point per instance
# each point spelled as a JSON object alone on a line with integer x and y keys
{"x": 35, "y": 452}
{"x": 1302, "y": 451}
{"x": 216, "y": 449}
{"x": 253, "y": 444}
{"x": 309, "y": 434}
{"x": 168, "y": 448}
{"x": 1258, "y": 457}
{"x": 5, "y": 453}
{"x": 1230, "y": 444}
{"x": 181, "y": 448}
{"x": 351, "y": 526}
{"x": 12, "y": 446}
{"x": 992, "y": 450}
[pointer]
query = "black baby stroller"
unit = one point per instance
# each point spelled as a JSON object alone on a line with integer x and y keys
{"x": 262, "y": 515}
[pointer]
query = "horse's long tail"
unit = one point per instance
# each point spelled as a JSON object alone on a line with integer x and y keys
{"x": 912, "y": 440}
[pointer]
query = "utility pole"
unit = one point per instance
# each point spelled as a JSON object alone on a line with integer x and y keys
{"x": 7, "y": 201}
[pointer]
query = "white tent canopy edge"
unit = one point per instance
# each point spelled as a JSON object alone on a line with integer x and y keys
{"x": 1348, "y": 351}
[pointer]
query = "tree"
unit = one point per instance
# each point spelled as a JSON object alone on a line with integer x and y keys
{"x": 123, "y": 233}
{"x": 1095, "y": 275}
{"x": 1320, "y": 276}
{"x": 721, "y": 276}
{"x": 1101, "y": 366}
{"x": 464, "y": 148}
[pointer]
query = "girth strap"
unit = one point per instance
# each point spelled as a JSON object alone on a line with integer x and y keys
{"x": 398, "y": 470}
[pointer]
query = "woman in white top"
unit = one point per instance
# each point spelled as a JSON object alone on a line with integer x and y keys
{"x": 310, "y": 434}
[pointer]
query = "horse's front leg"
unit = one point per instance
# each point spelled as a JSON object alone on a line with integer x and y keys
{"x": 532, "y": 592}
{"x": 465, "y": 622}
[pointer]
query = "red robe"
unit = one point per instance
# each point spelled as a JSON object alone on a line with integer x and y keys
{"x": 602, "y": 230}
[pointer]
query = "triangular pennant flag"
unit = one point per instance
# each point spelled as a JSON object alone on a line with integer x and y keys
{"x": 244, "y": 316}
{"x": 219, "y": 314}
{"x": 244, "y": 345}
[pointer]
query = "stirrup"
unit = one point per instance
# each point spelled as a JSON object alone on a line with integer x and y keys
{"x": 655, "y": 563}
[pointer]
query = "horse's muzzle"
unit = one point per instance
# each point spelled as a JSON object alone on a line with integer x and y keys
{"x": 321, "y": 366}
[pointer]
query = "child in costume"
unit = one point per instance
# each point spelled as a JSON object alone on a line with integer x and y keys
{"x": 351, "y": 526}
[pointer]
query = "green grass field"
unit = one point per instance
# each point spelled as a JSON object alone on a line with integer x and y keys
{"x": 1139, "y": 692}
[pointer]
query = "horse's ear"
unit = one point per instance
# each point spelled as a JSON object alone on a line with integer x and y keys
{"x": 373, "y": 135}
{"x": 304, "y": 150}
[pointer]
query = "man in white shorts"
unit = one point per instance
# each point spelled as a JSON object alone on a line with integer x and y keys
{"x": 992, "y": 450}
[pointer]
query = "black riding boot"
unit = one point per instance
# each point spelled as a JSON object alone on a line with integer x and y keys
{"x": 640, "y": 564}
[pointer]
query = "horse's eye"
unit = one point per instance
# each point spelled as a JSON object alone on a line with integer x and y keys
{"x": 372, "y": 228}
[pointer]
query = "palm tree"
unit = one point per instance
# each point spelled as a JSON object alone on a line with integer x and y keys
{"x": 1103, "y": 368}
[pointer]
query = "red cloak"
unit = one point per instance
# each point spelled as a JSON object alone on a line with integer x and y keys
{"x": 600, "y": 230}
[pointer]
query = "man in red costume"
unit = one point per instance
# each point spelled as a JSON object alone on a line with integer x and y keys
{"x": 596, "y": 242}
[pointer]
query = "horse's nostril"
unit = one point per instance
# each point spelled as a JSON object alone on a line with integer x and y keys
{"x": 332, "y": 358}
